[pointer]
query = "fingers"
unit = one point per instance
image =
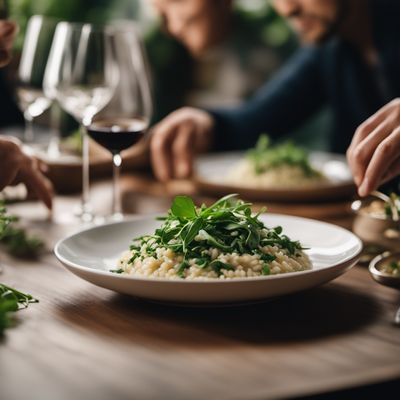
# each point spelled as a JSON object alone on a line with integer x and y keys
{"x": 8, "y": 31}
{"x": 37, "y": 183}
{"x": 176, "y": 139}
{"x": 10, "y": 159}
{"x": 360, "y": 156}
{"x": 384, "y": 156}
{"x": 389, "y": 110}
{"x": 183, "y": 150}
{"x": 160, "y": 147}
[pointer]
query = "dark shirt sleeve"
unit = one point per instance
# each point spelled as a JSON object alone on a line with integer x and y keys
{"x": 283, "y": 104}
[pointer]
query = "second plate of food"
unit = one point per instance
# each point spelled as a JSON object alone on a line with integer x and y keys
{"x": 281, "y": 173}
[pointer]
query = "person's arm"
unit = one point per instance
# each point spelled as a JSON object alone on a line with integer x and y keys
{"x": 282, "y": 105}
{"x": 374, "y": 153}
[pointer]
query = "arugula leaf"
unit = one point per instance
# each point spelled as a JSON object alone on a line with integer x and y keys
{"x": 218, "y": 266}
{"x": 181, "y": 269}
{"x": 15, "y": 239}
{"x": 11, "y": 300}
{"x": 183, "y": 207}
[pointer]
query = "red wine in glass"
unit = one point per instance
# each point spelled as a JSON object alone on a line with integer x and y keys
{"x": 117, "y": 134}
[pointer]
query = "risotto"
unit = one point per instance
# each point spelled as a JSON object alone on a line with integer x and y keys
{"x": 283, "y": 176}
{"x": 224, "y": 241}
{"x": 281, "y": 166}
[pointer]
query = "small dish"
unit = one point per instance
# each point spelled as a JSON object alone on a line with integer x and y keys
{"x": 377, "y": 265}
{"x": 374, "y": 228}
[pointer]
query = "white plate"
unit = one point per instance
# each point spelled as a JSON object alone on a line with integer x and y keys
{"x": 90, "y": 254}
{"x": 211, "y": 170}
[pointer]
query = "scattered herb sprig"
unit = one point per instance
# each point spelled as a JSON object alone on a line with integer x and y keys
{"x": 11, "y": 300}
{"x": 15, "y": 239}
{"x": 265, "y": 157}
{"x": 228, "y": 225}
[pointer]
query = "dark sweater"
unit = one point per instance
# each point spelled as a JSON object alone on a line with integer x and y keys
{"x": 332, "y": 74}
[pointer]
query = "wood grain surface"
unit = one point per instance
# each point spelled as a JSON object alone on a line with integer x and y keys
{"x": 84, "y": 342}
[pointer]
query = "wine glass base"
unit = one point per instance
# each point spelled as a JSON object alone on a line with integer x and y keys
{"x": 84, "y": 213}
{"x": 101, "y": 220}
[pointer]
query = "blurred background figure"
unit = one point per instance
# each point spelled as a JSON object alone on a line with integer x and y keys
{"x": 197, "y": 25}
{"x": 346, "y": 63}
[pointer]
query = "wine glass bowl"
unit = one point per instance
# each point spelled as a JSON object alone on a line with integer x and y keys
{"x": 125, "y": 120}
{"x": 81, "y": 75}
{"x": 31, "y": 97}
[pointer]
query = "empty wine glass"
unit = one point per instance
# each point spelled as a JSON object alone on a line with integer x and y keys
{"x": 31, "y": 98}
{"x": 82, "y": 75}
{"x": 125, "y": 120}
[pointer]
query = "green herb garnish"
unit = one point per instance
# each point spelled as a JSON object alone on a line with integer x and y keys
{"x": 228, "y": 225}
{"x": 265, "y": 157}
{"x": 395, "y": 201}
{"x": 15, "y": 239}
{"x": 11, "y": 300}
{"x": 395, "y": 265}
{"x": 117, "y": 271}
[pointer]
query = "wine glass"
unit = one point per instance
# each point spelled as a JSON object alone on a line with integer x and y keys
{"x": 125, "y": 120}
{"x": 82, "y": 75}
{"x": 36, "y": 48}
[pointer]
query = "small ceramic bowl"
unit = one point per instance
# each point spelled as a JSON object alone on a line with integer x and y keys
{"x": 375, "y": 228}
{"x": 377, "y": 269}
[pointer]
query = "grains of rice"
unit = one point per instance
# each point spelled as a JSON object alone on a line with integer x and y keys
{"x": 284, "y": 176}
{"x": 165, "y": 264}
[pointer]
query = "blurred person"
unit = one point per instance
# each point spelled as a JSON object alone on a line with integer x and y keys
{"x": 15, "y": 166}
{"x": 348, "y": 60}
{"x": 198, "y": 24}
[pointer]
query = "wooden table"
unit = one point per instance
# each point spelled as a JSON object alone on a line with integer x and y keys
{"x": 84, "y": 342}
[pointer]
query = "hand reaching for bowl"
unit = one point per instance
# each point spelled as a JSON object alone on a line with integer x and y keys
{"x": 8, "y": 30}
{"x": 176, "y": 139}
{"x": 374, "y": 153}
{"x": 17, "y": 167}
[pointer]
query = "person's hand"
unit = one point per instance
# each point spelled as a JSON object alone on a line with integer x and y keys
{"x": 17, "y": 167}
{"x": 8, "y": 30}
{"x": 374, "y": 153}
{"x": 176, "y": 139}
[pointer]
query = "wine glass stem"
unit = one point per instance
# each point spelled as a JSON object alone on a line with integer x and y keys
{"x": 116, "y": 204}
{"x": 85, "y": 171}
{"x": 29, "y": 133}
